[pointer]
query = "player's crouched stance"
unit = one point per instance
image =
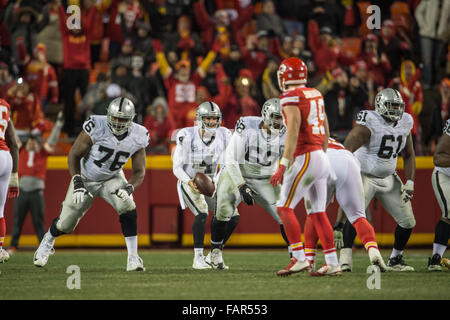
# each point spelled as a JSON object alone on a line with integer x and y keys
{"x": 95, "y": 164}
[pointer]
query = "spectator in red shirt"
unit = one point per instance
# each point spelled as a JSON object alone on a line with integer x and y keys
{"x": 41, "y": 77}
{"x": 327, "y": 55}
{"x": 6, "y": 80}
{"x": 159, "y": 125}
{"x": 77, "y": 62}
{"x": 26, "y": 111}
{"x": 32, "y": 174}
{"x": 378, "y": 64}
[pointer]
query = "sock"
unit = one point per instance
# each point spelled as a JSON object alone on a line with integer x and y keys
{"x": 198, "y": 230}
{"x": 132, "y": 244}
{"x": 442, "y": 233}
{"x": 326, "y": 236}
{"x": 198, "y": 252}
{"x": 2, "y": 231}
{"x": 293, "y": 232}
{"x": 439, "y": 249}
{"x": 283, "y": 234}
{"x": 401, "y": 238}
{"x": 231, "y": 225}
{"x": 349, "y": 234}
{"x": 50, "y": 236}
{"x": 218, "y": 230}
{"x": 366, "y": 233}
{"x": 311, "y": 239}
{"x": 396, "y": 253}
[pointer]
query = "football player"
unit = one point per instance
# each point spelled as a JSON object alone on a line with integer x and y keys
{"x": 200, "y": 149}
{"x": 377, "y": 140}
{"x": 441, "y": 186}
{"x": 9, "y": 163}
{"x": 349, "y": 192}
{"x": 250, "y": 160}
{"x": 95, "y": 164}
{"x": 304, "y": 167}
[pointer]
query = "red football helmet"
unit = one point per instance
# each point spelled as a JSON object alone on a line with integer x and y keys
{"x": 292, "y": 71}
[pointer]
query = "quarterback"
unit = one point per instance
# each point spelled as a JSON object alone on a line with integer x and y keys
{"x": 95, "y": 164}
{"x": 377, "y": 141}
{"x": 250, "y": 160}
{"x": 200, "y": 149}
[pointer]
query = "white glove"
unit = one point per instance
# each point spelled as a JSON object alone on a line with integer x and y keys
{"x": 338, "y": 239}
{"x": 407, "y": 191}
{"x": 79, "y": 191}
{"x": 124, "y": 193}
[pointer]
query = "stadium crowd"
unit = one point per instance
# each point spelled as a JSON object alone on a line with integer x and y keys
{"x": 168, "y": 56}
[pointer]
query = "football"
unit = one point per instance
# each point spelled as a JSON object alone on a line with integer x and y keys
{"x": 204, "y": 184}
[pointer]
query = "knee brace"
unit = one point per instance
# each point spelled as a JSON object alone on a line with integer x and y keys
{"x": 128, "y": 222}
{"x": 442, "y": 232}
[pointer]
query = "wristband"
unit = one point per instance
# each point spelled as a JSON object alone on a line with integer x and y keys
{"x": 284, "y": 162}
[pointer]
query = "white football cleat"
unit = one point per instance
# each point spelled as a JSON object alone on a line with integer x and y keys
{"x": 135, "y": 263}
{"x": 216, "y": 260}
{"x": 345, "y": 259}
{"x": 208, "y": 261}
{"x": 199, "y": 263}
{"x": 376, "y": 259}
{"x": 327, "y": 270}
{"x": 294, "y": 267}
{"x": 4, "y": 256}
{"x": 43, "y": 252}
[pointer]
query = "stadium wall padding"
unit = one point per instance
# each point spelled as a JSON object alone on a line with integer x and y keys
{"x": 100, "y": 226}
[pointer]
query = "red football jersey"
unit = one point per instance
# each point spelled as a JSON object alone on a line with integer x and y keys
{"x": 312, "y": 131}
{"x": 5, "y": 111}
{"x": 333, "y": 144}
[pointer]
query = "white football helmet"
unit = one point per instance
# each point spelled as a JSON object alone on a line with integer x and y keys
{"x": 120, "y": 115}
{"x": 208, "y": 109}
{"x": 389, "y": 103}
{"x": 271, "y": 108}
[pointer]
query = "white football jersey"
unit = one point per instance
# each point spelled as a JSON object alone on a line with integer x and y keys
{"x": 378, "y": 158}
{"x": 193, "y": 155}
{"x": 108, "y": 154}
{"x": 446, "y": 131}
{"x": 257, "y": 151}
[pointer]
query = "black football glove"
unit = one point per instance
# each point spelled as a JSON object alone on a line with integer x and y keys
{"x": 247, "y": 194}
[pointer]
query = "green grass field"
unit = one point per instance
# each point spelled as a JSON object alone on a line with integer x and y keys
{"x": 169, "y": 276}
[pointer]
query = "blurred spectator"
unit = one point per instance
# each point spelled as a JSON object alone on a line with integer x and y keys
{"x": 407, "y": 83}
{"x": 342, "y": 103}
{"x": 327, "y": 55}
{"x": 241, "y": 103}
{"x": 351, "y": 18}
{"x": 24, "y": 23}
{"x": 299, "y": 50}
{"x": 378, "y": 64}
{"x": 50, "y": 36}
{"x": 432, "y": 18}
{"x": 142, "y": 42}
{"x": 32, "y": 174}
{"x": 26, "y": 109}
{"x": 395, "y": 49}
{"x": 6, "y": 80}
{"x": 221, "y": 90}
{"x": 359, "y": 71}
{"x": 294, "y": 14}
{"x": 77, "y": 62}
{"x": 159, "y": 125}
{"x": 96, "y": 91}
{"x": 124, "y": 57}
{"x": 184, "y": 41}
{"x": 255, "y": 52}
{"x": 327, "y": 14}
{"x": 269, "y": 80}
{"x": 180, "y": 84}
{"x": 117, "y": 10}
{"x": 41, "y": 77}
{"x": 220, "y": 27}
{"x": 268, "y": 20}
{"x": 440, "y": 114}
{"x": 234, "y": 64}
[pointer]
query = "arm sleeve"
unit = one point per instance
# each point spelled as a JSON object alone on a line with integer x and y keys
{"x": 234, "y": 155}
{"x": 179, "y": 157}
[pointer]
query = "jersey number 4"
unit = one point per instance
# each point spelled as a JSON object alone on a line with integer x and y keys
{"x": 316, "y": 116}
{"x": 116, "y": 164}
